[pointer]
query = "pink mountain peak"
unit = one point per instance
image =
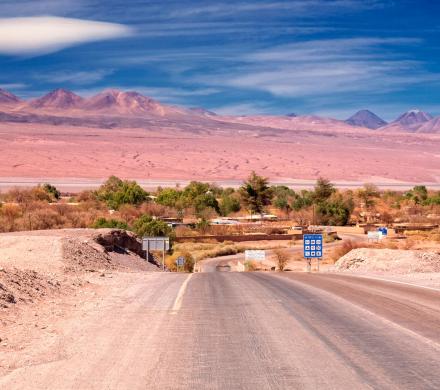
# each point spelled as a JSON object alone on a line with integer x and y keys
{"x": 59, "y": 98}
{"x": 8, "y": 97}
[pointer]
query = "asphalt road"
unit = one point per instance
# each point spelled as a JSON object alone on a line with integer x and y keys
{"x": 210, "y": 264}
{"x": 249, "y": 331}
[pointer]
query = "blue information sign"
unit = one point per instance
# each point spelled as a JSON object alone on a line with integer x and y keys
{"x": 313, "y": 246}
{"x": 383, "y": 230}
{"x": 180, "y": 261}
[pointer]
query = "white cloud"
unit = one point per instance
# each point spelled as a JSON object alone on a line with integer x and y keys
{"x": 325, "y": 67}
{"x": 81, "y": 77}
{"x": 298, "y": 8}
{"x": 45, "y": 34}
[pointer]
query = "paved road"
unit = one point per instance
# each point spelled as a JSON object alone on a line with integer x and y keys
{"x": 210, "y": 265}
{"x": 250, "y": 331}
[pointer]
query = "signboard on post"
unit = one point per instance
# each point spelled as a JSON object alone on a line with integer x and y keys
{"x": 156, "y": 244}
{"x": 374, "y": 236}
{"x": 254, "y": 255}
{"x": 180, "y": 261}
{"x": 313, "y": 246}
{"x": 383, "y": 230}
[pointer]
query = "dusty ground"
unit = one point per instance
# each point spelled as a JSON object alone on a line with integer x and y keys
{"x": 46, "y": 276}
{"x": 224, "y": 153}
{"x": 409, "y": 266}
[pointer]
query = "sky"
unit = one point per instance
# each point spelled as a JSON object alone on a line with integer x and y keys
{"x": 319, "y": 57}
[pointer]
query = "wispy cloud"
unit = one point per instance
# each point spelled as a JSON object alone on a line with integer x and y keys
{"x": 74, "y": 77}
{"x": 300, "y": 8}
{"x": 44, "y": 34}
{"x": 13, "y": 8}
{"x": 321, "y": 67}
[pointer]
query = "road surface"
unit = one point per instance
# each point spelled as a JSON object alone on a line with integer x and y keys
{"x": 248, "y": 331}
{"x": 210, "y": 264}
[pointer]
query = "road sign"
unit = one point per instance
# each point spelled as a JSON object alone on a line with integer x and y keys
{"x": 383, "y": 230}
{"x": 255, "y": 254}
{"x": 180, "y": 261}
{"x": 374, "y": 236}
{"x": 156, "y": 243}
{"x": 313, "y": 246}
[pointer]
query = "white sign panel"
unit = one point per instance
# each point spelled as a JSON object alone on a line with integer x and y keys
{"x": 156, "y": 243}
{"x": 255, "y": 254}
{"x": 374, "y": 236}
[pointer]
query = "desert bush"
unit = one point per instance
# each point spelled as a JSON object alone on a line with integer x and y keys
{"x": 250, "y": 266}
{"x": 282, "y": 257}
{"x": 188, "y": 266}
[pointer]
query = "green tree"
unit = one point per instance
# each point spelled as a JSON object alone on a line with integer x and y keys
{"x": 116, "y": 192}
{"x": 323, "y": 190}
{"x": 145, "y": 225}
{"x": 334, "y": 211}
{"x": 109, "y": 223}
{"x": 256, "y": 193}
{"x": 52, "y": 191}
{"x": 283, "y": 197}
{"x": 419, "y": 194}
{"x": 200, "y": 196}
{"x": 169, "y": 197}
{"x": 367, "y": 195}
{"x": 229, "y": 203}
{"x": 302, "y": 200}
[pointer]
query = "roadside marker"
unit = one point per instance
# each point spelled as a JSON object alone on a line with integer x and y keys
{"x": 313, "y": 247}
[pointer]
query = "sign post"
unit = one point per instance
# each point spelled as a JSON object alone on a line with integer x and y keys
{"x": 255, "y": 255}
{"x": 180, "y": 262}
{"x": 313, "y": 248}
{"x": 156, "y": 244}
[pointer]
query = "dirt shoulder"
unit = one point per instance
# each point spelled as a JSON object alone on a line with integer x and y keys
{"x": 46, "y": 276}
{"x": 419, "y": 267}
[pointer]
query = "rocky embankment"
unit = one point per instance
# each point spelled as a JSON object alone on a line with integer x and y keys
{"x": 39, "y": 264}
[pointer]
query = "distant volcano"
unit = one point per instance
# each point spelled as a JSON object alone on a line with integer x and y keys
{"x": 366, "y": 118}
{"x": 413, "y": 117}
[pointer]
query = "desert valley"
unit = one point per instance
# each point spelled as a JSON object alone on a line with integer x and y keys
{"x": 64, "y": 136}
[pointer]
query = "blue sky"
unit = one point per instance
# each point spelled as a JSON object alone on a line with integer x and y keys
{"x": 241, "y": 57}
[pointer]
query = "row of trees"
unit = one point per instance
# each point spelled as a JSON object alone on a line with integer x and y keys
{"x": 136, "y": 209}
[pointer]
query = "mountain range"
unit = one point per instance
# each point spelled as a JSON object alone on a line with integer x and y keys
{"x": 113, "y": 108}
{"x": 63, "y": 135}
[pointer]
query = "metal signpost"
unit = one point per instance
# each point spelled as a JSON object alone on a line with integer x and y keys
{"x": 255, "y": 254}
{"x": 313, "y": 246}
{"x": 180, "y": 262}
{"x": 374, "y": 236}
{"x": 156, "y": 244}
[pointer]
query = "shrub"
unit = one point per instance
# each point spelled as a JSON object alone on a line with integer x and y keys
{"x": 145, "y": 225}
{"x": 102, "y": 222}
{"x": 116, "y": 192}
{"x": 52, "y": 191}
{"x": 282, "y": 257}
{"x": 188, "y": 266}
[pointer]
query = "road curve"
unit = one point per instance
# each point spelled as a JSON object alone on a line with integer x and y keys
{"x": 250, "y": 331}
